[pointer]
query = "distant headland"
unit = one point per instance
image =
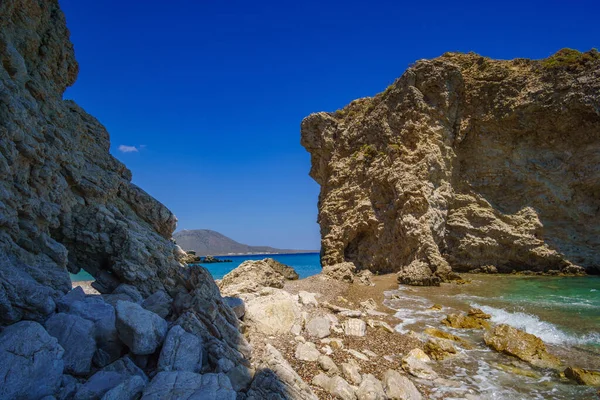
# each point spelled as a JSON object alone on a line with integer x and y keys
{"x": 208, "y": 242}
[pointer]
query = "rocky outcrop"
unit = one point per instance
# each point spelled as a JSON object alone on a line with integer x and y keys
{"x": 527, "y": 347}
{"x": 67, "y": 204}
{"x": 464, "y": 162}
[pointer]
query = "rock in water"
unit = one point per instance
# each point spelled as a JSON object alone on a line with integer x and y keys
{"x": 474, "y": 155}
{"x": 141, "y": 330}
{"x": 31, "y": 363}
{"x": 583, "y": 376}
{"x": 506, "y": 339}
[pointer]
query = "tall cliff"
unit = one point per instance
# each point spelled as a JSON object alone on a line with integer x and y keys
{"x": 464, "y": 162}
{"x": 65, "y": 202}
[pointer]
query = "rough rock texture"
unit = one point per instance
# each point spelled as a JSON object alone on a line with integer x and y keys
{"x": 464, "y": 162}
{"x": 278, "y": 380}
{"x": 75, "y": 335}
{"x": 583, "y": 376}
{"x": 399, "y": 387}
{"x": 65, "y": 202}
{"x": 141, "y": 330}
{"x": 252, "y": 275}
{"x": 506, "y": 339}
{"x": 181, "y": 351}
{"x": 31, "y": 363}
{"x": 188, "y": 385}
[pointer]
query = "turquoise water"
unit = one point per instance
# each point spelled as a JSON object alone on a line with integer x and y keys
{"x": 305, "y": 264}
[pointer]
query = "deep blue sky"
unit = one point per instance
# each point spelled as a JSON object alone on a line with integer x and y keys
{"x": 211, "y": 93}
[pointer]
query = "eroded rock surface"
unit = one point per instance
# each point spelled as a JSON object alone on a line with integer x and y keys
{"x": 464, "y": 162}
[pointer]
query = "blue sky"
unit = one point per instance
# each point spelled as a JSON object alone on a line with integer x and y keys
{"x": 208, "y": 96}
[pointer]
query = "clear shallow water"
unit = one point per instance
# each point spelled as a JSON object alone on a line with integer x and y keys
{"x": 564, "y": 312}
{"x": 305, "y": 264}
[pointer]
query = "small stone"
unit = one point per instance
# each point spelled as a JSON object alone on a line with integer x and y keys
{"x": 368, "y": 304}
{"x": 358, "y": 354}
{"x": 436, "y": 307}
{"x": 318, "y": 327}
{"x": 307, "y": 352}
{"x": 339, "y": 388}
{"x": 583, "y": 376}
{"x": 355, "y": 327}
{"x": 321, "y": 380}
{"x": 415, "y": 363}
{"x": 369, "y": 353}
{"x": 439, "y": 349}
{"x": 328, "y": 365}
{"x": 370, "y": 389}
{"x": 308, "y": 299}
{"x": 351, "y": 372}
{"x": 399, "y": 387}
{"x": 380, "y": 324}
{"x": 300, "y": 339}
{"x": 327, "y": 350}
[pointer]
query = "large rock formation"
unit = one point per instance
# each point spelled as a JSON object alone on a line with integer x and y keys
{"x": 65, "y": 202}
{"x": 464, "y": 162}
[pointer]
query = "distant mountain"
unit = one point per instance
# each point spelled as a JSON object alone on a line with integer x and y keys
{"x": 206, "y": 242}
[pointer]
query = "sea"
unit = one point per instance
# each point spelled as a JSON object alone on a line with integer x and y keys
{"x": 563, "y": 311}
{"x": 305, "y": 264}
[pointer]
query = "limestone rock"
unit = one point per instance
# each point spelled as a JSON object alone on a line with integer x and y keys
{"x": 32, "y": 362}
{"x": 285, "y": 270}
{"x": 75, "y": 336}
{"x": 354, "y": 327}
{"x": 99, "y": 384}
{"x": 141, "y": 330}
{"x": 583, "y": 376}
{"x": 506, "y": 339}
{"x": 447, "y": 335}
{"x": 343, "y": 271}
{"x": 181, "y": 351}
{"x": 252, "y": 275}
{"x": 237, "y": 305}
{"x": 328, "y": 365}
{"x": 131, "y": 389}
{"x": 272, "y": 312}
{"x": 439, "y": 349}
{"x": 341, "y": 389}
{"x": 473, "y": 320}
{"x": 277, "y": 380}
{"x": 188, "y": 385}
{"x": 399, "y": 387}
{"x": 439, "y": 160}
{"x": 416, "y": 364}
{"x": 159, "y": 303}
{"x": 318, "y": 327}
{"x": 370, "y": 389}
{"x": 307, "y": 352}
{"x": 380, "y": 324}
{"x": 351, "y": 372}
{"x": 308, "y": 299}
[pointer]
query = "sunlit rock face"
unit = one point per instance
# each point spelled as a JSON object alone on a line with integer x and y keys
{"x": 464, "y": 162}
{"x": 65, "y": 202}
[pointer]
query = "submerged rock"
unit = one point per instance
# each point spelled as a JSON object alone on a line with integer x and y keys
{"x": 474, "y": 319}
{"x": 439, "y": 349}
{"x": 583, "y": 376}
{"x": 506, "y": 339}
{"x": 416, "y": 363}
